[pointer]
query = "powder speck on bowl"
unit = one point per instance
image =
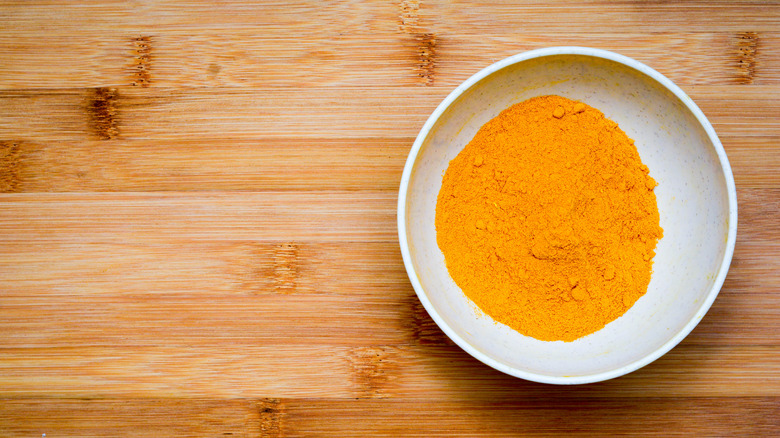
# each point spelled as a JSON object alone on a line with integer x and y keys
{"x": 696, "y": 201}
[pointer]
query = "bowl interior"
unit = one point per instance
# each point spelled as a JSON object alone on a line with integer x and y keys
{"x": 692, "y": 196}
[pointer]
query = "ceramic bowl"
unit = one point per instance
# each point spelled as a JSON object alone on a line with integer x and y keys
{"x": 695, "y": 194}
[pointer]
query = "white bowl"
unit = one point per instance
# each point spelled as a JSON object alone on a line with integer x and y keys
{"x": 696, "y": 200}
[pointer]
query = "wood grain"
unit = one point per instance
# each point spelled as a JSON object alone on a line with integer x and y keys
{"x": 527, "y": 416}
{"x": 242, "y": 268}
{"x": 237, "y": 320}
{"x": 476, "y": 16}
{"x": 352, "y": 216}
{"x": 294, "y": 113}
{"x": 434, "y": 373}
{"x": 275, "y": 216}
{"x": 263, "y": 164}
{"x": 131, "y": 418}
{"x": 240, "y": 57}
{"x": 210, "y": 165}
{"x": 376, "y": 44}
{"x": 142, "y": 293}
{"x": 329, "y": 258}
{"x": 198, "y": 231}
{"x": 535, "y": 416}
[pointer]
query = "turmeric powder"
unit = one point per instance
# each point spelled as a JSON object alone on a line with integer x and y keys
{"x": 548, "y": 221}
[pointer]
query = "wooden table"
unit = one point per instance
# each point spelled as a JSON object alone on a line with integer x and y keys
{"x": 197, "y": 224}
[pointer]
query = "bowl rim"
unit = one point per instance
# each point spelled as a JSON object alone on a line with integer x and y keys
{"x": 555, "y": 51}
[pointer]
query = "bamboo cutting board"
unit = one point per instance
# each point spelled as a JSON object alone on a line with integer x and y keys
{"x": 197, "y": 219}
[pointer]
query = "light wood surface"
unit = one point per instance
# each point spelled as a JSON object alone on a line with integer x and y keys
{"x": 197, "y": 219}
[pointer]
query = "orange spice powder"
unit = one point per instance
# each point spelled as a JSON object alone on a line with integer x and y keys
{"x": 548, "y": 221}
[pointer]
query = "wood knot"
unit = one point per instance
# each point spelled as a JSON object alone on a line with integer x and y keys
{"x": 747, "y": 48}
{"x": 286, "y": 267}
{"x": 10, "y": 166}
{"x": 372, "y": 369}
{"x": 214, "y": 69}
{"x": 142, "y": 61}
{"x": 267, "y": 268}
{"x": 271, "y": 411}
{"x": 426, "y": 57}
{"x": 409, "y": 18}
{"x": 102, "y": 111}
{"x": 425, "y": 331}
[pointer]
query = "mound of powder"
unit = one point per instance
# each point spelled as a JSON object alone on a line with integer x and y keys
{"x": 548, "y": 221}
